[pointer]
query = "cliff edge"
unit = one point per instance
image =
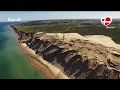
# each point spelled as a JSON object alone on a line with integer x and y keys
{"x": 77, "y": 56}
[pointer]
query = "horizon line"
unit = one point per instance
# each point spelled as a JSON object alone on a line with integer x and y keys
{"x": 56, "y": 19}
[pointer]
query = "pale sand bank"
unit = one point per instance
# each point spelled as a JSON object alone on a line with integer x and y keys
{"x": 67, "y": 36}
{"x": 103, "y": 40}
{"x": 100, "y": 39}
{"x": 50, "y": 71}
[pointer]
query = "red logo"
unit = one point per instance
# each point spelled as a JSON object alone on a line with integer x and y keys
{"x": 106, "y": 20}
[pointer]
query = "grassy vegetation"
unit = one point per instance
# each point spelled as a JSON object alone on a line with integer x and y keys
{"x": 81, "y": 27}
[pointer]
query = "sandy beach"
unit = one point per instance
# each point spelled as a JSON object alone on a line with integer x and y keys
{"x": 49, "y": 70}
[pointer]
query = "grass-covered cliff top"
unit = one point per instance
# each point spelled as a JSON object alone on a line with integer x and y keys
{"x": 83, "y": 27}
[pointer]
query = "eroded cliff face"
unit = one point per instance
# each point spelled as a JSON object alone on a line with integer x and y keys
{"x": 77, "y": 58}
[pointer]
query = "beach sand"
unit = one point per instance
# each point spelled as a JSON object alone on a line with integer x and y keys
{"x": 49, "y": 70}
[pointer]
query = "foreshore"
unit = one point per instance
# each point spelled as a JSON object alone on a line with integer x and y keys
{"x": 49, "y": 70}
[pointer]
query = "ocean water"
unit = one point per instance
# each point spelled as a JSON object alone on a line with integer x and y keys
{"x": 13, "y": 64}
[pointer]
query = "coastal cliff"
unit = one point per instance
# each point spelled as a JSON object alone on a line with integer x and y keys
{"x": 76, "y": 56}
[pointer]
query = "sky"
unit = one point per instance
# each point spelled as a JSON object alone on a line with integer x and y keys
{"x": 47, "y": 15}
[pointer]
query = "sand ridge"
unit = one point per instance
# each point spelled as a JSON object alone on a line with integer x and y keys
{"x": 99, "y": 39}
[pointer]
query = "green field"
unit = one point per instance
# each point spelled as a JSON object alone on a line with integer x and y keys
{"x": 83, "y": 27}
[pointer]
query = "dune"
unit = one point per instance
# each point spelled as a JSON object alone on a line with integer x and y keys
{"x": 103, "y": 40}
{"x": 98, "y": 39}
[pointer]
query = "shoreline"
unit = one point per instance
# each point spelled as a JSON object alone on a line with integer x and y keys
{"x": 28, "y": 58}
{"x": 48, "y": 70}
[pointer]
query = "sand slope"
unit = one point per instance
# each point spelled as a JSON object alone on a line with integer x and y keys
{"x": 103, "y": 40}
{"x": 100, "y": 39}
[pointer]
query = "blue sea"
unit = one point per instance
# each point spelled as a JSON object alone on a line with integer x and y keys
{"x": 13, "y": 63}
